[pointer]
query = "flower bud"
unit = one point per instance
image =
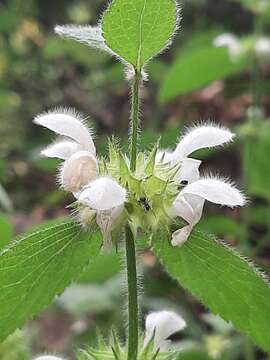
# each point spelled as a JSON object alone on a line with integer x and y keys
{"x": 80, "y": 169}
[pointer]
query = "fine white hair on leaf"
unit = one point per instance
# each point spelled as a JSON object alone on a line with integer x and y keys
{"x": 61, "y": 149}
{"x": 200, "y": 137}
{"x": 78, "y": 171}
{"x": 161, "y": 325}
{"x": 90, "y": 35}
{"x": 216, "y": 191}
{"x": 103, "y": 194}
{"x": 67, "y": 123}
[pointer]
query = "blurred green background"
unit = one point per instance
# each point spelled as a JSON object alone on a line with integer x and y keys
{"x": 192, "y": 82}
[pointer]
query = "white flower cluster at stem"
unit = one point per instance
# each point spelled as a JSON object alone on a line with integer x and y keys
{"x": 105, "y": 196}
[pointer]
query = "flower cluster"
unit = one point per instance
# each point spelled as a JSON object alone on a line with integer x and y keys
{"x": 165, "y": 185}
{"x": 101, "y": 196}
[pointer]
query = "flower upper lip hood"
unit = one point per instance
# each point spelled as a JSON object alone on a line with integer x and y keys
{"x": 197, "y": 137}
{"x": 70, "y": 124}
{"x": 200, "y": 137}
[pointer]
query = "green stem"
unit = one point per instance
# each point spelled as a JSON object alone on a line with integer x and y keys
{"x": 135, "y": 108}
{"x": 132, "y": 295}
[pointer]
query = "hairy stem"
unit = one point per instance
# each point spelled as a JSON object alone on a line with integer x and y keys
{"x": 135, "y": 108}
{"x": 132, "y": 295}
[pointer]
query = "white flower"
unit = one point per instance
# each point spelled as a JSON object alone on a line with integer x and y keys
{"x": 190, "y": 201}
{"x": 231, "y": 42}
{"x": 199, "y": 137}
{"x": 79, "y": 170}
{"x": 79, "y": 173}
{"x": 159, "y": 326}
{"x": 48, "y": 357}
{"x": 262, "y": 47}
{"x": 103, "y": 194}
{"x": 76, "y": 147}
{"x": 107, "y": 197}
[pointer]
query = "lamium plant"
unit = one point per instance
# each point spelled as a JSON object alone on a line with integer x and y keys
{"x": 136, "y": 200}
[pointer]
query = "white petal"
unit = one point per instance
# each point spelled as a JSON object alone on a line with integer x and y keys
{"x": 90, "y": 35}
{"x": 162, "y": 325}
{"x": 103, "y": 194}
{"x": 189, "y": 171}
{"x": 201, "y": 137}
{"x": 70, "y": 124}
{"x": 163, "y": 156}
{"x": 183, "y": 209}
{"x": 180, "y": 236}
{"x": 80, "y": 169}
{"x": 189, "y": 207}
{"x": 262, "y": 46}
{"x": 62, "y": 150}
{"x": 231, "y": 42}
{"x": 216, "y": 191}
{"x": 106, "y": 220}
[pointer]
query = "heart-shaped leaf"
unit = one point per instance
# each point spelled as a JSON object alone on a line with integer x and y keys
{"x": 138, "y": 30}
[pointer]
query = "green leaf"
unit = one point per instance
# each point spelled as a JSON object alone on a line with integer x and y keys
{"x": 226, "y": 283}
{"x": 138, "y": 30}
{"x": 36, "y": 268}
{"x": 102, "y": 268}
{"x": 219, "y": 225}
{"x": 6, "y": 231}
{"x": 196, "y": 69}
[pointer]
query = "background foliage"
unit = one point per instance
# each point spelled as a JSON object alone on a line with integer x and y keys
{"x": 193, "y": 81}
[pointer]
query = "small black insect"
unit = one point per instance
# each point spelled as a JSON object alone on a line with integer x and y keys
{"x": 144, "y": 203}
{"x": 182, "y": 184}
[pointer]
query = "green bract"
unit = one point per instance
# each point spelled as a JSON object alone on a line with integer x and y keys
{"x": 115, "y": 351}
{"x": 151, "y": 188}
{"x": 138, "y": 30}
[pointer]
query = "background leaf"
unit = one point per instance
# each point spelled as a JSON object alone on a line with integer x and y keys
{"x": 256, "y": 160}
{"x": 223, "y": 281}
{"x": 138, "y": 30}
{"x": 36, "y": 268}
{"x": 196, "y": 69}
{"x": 6, "y": 231}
